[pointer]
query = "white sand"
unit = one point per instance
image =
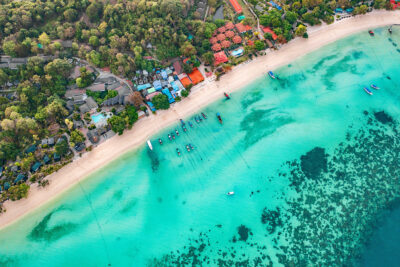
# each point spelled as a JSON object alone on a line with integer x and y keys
{"x": 201, "y": 96}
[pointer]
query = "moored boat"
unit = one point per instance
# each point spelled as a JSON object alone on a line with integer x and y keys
{"x": 390, "y": 30}
{"x": 271, "y": 74}
{"x": 169, "y": 137}
{"x": 200, "y": 118}
{"x": 149, "y": 145}
{"x": 230, "y": 193}
{"x": 375, "y": 87}
{"x": 204, "y": 115}
{"x": 160, "y": 141}
{"x": 191, "y": 146}
{"x": 219, "y": 117}
{"x": 367, "y": 91}
{"x": 178, "y": 152}
{"x": 182, "y": 122}
{"x": 188, "y": 148}
{"x": 190, "y": 124}
{"x": 184, "y": 128}
{"x": 371, "y": 32}
{"x": 173, "y": 136}
{"x": 227, "y": 96}
{"x": 196, "y": 119}
{"x": 176, "y": 131}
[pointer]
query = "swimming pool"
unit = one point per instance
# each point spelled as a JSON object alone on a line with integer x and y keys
{"x": 100, "y": 118}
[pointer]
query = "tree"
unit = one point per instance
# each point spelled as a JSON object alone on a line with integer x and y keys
{"x": 117, "y": 123}
{"x": 291, "y": 17}
{"x": 160, "y": 101}
{"x": 300, "y": 30}
{"x": 77, "y": 137}
{"x": 62, "y": 147}
{"x": 208, "y": 58}
{"x": 9, "y": 48}
{"x": 58, "y": 67}
{"x": 94, "y": 41}
{"x": 17, "y": 192}
{"x": 259, "y": 45}
{"x": 85, "y": 78}
{"x": 27, "y": 162}
{"x": 185, "y": 93}
{"x": 187, "y": 68}
{"x": 70, "y": 14}
{"x": 136, "y": 99}
{"x": 44, "y": 39}
{"x": 187, "y": 49}
{"x": 3, "y": 77}
{"x": 131, "y": 114}
{"x": 94, "y": 11}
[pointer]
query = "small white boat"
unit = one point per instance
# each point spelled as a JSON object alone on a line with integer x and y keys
{"x": 375, "y": 87}
{"x": 149, "y": 144}
{"x": 230, "y": 193}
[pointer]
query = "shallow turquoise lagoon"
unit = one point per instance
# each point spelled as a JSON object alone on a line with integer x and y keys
{"x": 313, "y": 161}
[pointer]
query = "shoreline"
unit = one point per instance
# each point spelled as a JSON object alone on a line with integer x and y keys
{"x": 201, "y": 96}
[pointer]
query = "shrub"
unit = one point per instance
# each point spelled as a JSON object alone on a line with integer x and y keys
{"x": 185, "y": 93}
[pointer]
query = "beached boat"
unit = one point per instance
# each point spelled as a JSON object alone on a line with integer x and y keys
{"x": 375, "y": 87}
{"x": 160, "y": 141}
{"x": 271, "y": 74}
{"x": 178, "y": 152}
{"x": 371, "y": 32}
{"x": 204, "y": 115}
{"x": 149, "y": 144}
{"x": 230, "y": 193}
{"x": 367, "y": 91}
{"x": 227, "y": 96}
{"x": 219, "y": 118}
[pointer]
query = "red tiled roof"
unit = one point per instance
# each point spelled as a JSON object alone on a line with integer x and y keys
{"x": 216, "y": 47}
{"x": 248, "y": 28}
{"x": 240, "y": 27}
{"x": 250, "y": 42}
{"x": 221, "y": 29}
{"x": 213, "y": 40}
{"x": 106, "y": 69}
{"x": 268, "y": 30}
{"x": 221, "y": 37}
{"x": 177, "y": 66}
{"x": 226, "y": 44}
{"x": 237, "y": 39}
{"x": 219, "y": 58}
{"x": 229, "y": 34}
{"x": 236, "y": 6}
{"x": 229, "y": 25}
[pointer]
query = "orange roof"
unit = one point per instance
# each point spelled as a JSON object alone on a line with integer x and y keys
{"x": 268, "y": 30}
{"x": 236, "y": 6}
{"x": 219, "y": 58}
{"x": 250, "y": 42}
{"x": 240, "y": 27}
{"x": 185, "y": 81}
{"x": 248, "y": 28}
{"x": 196, "y": 76}
{"x": 226, "y": 44}
{"x": 216, "y": 47}
{"x": 229, "y": 25}
{"x": 213, "y": 40}
{"x": 229, "y": 34}
{"x": 221, "y": 29}
{"x": 221, "y": 37}
{"x": 237, "y": 39}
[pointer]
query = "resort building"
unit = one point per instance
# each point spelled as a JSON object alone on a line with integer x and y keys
{"x": 270, "y": 31}
{"x": 236, "y": 6}
{"x": 220, "y": 58}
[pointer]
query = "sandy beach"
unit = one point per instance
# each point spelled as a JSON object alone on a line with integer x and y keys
{"x": 201, "y": 96}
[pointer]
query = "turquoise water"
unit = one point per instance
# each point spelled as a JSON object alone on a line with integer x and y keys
{"x": 312, "y": 158}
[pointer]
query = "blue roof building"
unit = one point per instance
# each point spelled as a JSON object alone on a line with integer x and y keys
{"x": 275, "y": 5}
{"x": 175, "y": 87}
{"x": 6, "y": 185}
{"x": 36, "y": 166}
{"x": 164, "y": 74}
{"x": 143, "y": 86}
{"x": 46, "y": 159}
{"x": 168, "y": 94}
{"x": 157, "y": 85}
{"x": 31, "y": 149}
{"x": 20, "y": 177}
{"x": 151, "y": 106}
{"x": 56, "y": 157}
